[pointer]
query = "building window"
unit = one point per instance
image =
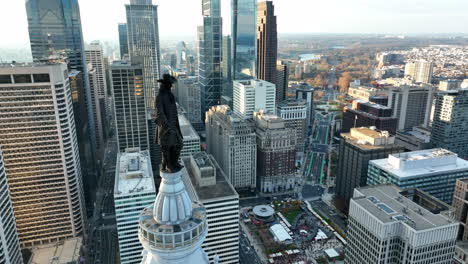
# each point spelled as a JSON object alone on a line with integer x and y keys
{"x": 22, "y": 78}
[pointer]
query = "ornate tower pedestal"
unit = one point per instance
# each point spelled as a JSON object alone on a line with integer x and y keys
{"x": 173, "y": 230}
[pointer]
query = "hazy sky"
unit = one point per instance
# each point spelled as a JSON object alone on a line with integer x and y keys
{"x": 180, "y": 17}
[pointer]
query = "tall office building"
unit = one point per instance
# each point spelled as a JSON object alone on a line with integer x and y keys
{"x": 356, "y": 149}
{"x": 369, "y": 114}
{"x": 226, "y": 63}
{"x": 294, "y": 114}
{"x": 226, "y": 66}
{"x": 134, "y": 190}
{"x": 55, "y": 30}
{"x": 97, "y": 113}
{"x": 181, "y": 55}
{"x": 276, "y": 155}
{"x": 450, "y": 126}
{"x": 282, "y": 80}
{"x": 267, "y": 42}
{"x": 253, "y": 95}
{"x": 434, "y": 171}
{"x": 420, "y": 71}
{"x": 123, "y": 40}
{"x": 388, "y": 225}
{"x": 143, "y": 41}
{"x": 232, "y": 142}
{"x": 207, "y": 183}
{"x": 189, "y": 97}
{"x": 411, "y": 104}
{"x": 306, "y": 92}
{"x": 173, "y": 229}
{"x": 460, "y": 204}
{"x": 190, "y": 137}
{"x": 244, "y": 39}
{"x": 210, "y": 55}
{"x": 40, "y": 151}
{"x": 130, "y": 105}
{"x": 10, "y": 252}
{"x": 95, "y": 57}
{"x": 87, "y": 156}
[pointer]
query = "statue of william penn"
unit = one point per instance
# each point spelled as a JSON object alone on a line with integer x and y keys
{"x": 168, "y": 135}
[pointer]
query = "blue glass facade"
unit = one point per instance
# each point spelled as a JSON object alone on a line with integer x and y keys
{"x": 123, "y": 40}
{"x": 244, "y": 39}
{"x": 55, "y": 29}
{"x": 210, "y": 55}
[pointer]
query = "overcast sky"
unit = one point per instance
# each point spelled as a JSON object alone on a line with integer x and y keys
{"x": 180, "y": 17}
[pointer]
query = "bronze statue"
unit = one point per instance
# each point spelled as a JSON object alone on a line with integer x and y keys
{"x": 168, "y": 134}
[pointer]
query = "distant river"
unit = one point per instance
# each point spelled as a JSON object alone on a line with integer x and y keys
{"x": 310, "y": 56}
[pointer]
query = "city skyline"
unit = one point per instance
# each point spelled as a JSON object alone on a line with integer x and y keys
{"x": 358, "y": 16}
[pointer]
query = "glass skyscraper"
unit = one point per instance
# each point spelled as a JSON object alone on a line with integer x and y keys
{"x": 244, "y": 39}
{"x": 123, "y": 39}
{"x": 143, "y": 40}
{"x": 210, "y": 55}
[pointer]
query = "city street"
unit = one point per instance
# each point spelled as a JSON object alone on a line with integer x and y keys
{"x": 247, "y": 253}
{"x": 103, "y": 225}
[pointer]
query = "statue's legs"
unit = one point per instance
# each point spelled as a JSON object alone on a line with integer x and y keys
{"x": 166, "y": 157}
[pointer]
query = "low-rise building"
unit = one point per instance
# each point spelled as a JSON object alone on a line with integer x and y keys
{"x": 419, "y": 138}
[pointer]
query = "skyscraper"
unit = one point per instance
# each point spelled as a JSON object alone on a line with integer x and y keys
{"x": 411, "y": 104}
{"x": 207, "y": 183}
{"x": 356, "y": 149}
{"x": 253, "y": 95}
{"x": 181, "y": 54}
{"x": 9, "y": 244}
{"x": 38, "y": 138}
{"x": 98, "y": 124}
{"x": 55, "y": 29}
{"x": 210, "y": 55}
{"x": 188, "y": 96}
{"x": 244, "y": 39}
{"x": 306, "y": 93}
{"x": 226, "y": 66}
{"x": 130, "y": 105}
{"x": 143, "y": 41}
{"x": 361, "y": 113}
{"x": 123, "y": 40}
{"x": 388, "y": 225}
{"x": 460, "y": 204}
{"x": 232, "y": 142}
{"x": 420, "y": 71}
{"x": 267, "y": 42}
{"x": 276, "y": 155}
{"x": 294, "y": 114}
{"x": 450, "y": 126}
{"x": 433, "y": 171}
{"x": 134, "y": 190}
{"x": 282, "y": 79}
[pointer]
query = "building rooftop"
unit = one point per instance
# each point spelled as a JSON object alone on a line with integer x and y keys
{"x": 416, "y": 163}
{"x": 388, "y": 204}
{"x": 418, "y": 133}
{"x": 221, "y": 189}
{"x": 188, "y": 132}
{"x": 133, "y": 173}
{"x": 292, "y": 103}
{"x": 369, "y": 138}
{"x": 64, "y": 252}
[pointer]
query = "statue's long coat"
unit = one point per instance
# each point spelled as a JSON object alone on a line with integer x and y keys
{"x": 168, "y": 131}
